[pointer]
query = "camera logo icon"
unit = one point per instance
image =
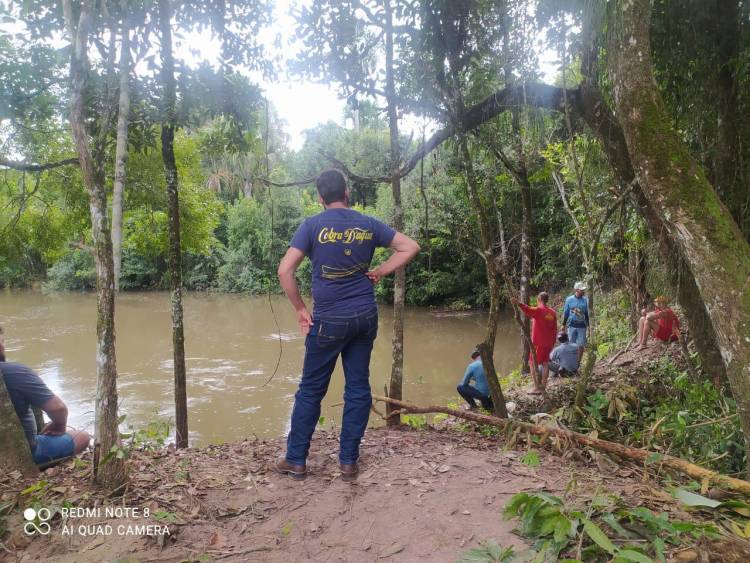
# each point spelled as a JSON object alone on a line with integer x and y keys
{"x": 37, "y": 521}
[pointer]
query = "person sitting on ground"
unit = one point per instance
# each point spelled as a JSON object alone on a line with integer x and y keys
{"x": 543, "y": 333}
{"x": 662, "y": 323}
{"x": 564, "y": 358}
{"x": 480, "y": 390}
{"x": 26, "y": 389}
{"x": 576, "y": 317}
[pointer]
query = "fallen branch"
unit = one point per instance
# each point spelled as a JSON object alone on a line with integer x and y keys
{"x": 621, "y": 352}
{"x": 637, "y": 454}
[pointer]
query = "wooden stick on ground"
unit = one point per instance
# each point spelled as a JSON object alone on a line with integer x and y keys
{"x": 690, "y": 469}
{"x": 621, "y": 352}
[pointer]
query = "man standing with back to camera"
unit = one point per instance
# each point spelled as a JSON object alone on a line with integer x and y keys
{"x": 340, "y": 242}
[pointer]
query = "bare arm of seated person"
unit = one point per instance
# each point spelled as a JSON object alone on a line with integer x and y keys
{"x": 58, "y": 415}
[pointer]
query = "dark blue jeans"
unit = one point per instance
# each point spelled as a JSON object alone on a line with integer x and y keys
{"x": 351, "y": 337}
{"x": 470, "y": 393}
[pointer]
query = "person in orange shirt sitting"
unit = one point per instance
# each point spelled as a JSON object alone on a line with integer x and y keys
{"x": 662, "y": 323}
{"x": 543, "y": 334}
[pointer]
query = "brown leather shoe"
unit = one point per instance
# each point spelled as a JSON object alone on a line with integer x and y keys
{"x": 296, "y": 472}
{"x": 348, "y": 471}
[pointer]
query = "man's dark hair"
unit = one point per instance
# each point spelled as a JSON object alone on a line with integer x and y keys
{"x": 331, "y": 186}
{"x": 543, "y": 297}
{"x": 562, "y": 337}
{"x": 475, "y": 353}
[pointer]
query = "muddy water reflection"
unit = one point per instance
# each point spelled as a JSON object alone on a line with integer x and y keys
{"x": 232, "y": 345}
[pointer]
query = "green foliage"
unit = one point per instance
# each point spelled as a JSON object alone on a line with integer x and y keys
{"x": 531, "y": 458}
{"x": 75, "y": 270}
{"x": 668, "y": 414}
{"x": 417, "y": 421}
{"x": 625, "y": 534}
{"x": 488, "y": 552}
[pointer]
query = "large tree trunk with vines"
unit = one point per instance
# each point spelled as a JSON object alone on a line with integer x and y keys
{"x": 399, "y": 285}
{"x": 121, "y": 150}
{"x": 709, "y": 243}
{"x": 173, "y": 212}
{"x": 109, "y": 471}
{"x": 13, "y": 443}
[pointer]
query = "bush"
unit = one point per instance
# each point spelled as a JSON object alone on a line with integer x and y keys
{"x": 75, "y": 270}
{"x": 139, "y": 271}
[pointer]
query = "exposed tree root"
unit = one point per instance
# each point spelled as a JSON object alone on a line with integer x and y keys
{"x": 702, "y": 474}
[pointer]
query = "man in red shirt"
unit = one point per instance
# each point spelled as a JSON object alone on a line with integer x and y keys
{"x": 543, "y": 334}
{"x": 662, "y": 323}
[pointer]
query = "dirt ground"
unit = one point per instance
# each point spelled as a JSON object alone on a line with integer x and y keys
{"x": 423, "y": 495}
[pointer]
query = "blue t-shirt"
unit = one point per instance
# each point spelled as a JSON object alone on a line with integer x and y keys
{"x": 576, "y": 312}
{"x": 26, "y": 389}
{"x": 475, "y": 371}
{"x": 566, "y": 355}
{"x": 340, "y": 242}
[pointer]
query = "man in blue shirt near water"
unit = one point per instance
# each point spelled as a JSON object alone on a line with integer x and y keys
{"x": 576, "y": 317}
{"x": 340, "y": 243}
{"x": 480, "y": 390}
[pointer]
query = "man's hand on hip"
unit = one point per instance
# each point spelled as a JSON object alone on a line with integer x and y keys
{"x": 375, "y": 275}
{"x": 304, "y": 320}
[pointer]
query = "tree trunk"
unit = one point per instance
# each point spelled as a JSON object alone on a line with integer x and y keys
{"x": 487, "y": 348}
{"x": 173, "y": 212}
{"x": 13, "y": 443}
{"x": 636, "y": 284}
{"x": 109, "y": 471}
{"x": 709, "y": 243}
{"x": 399, "y": 286}
{"x": 523, "y": 294}
{"x": 121, "y": 150}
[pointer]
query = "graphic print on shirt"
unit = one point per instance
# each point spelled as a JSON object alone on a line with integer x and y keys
{"x": 331, "y": 273}
{"x": 347, "y": 237}
{"x": 577, "y": 314}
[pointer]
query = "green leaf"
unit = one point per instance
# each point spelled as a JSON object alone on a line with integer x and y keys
{"x": 691, "y": 499}
{"x": 632, "y": 555}
{"x": 531, "y": 458}
{"x": 653, "y": 457}
{"x": 741, "y": 508}
{"x": 598, "y": 537}
{"x": 612, "y": 522}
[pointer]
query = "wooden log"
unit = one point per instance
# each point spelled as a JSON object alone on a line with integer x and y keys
{"x": 637, "y": 454}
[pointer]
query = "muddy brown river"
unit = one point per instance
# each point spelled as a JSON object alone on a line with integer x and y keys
{"x": 232, "y": 347}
